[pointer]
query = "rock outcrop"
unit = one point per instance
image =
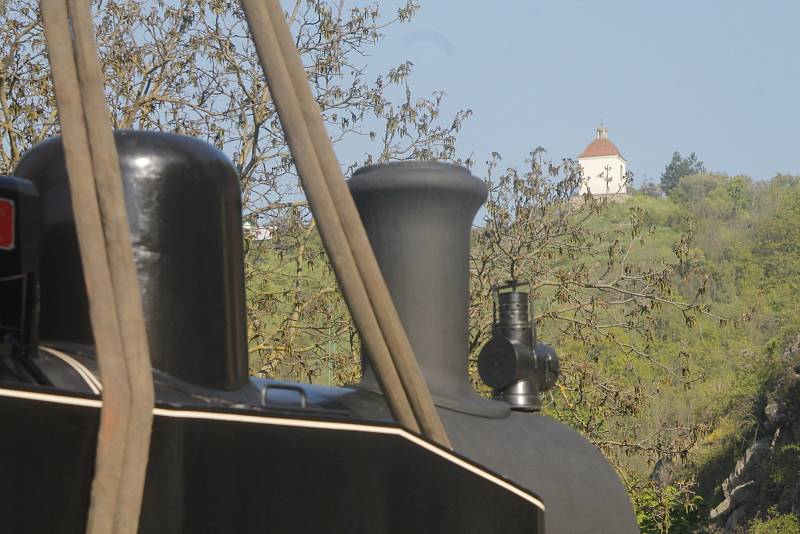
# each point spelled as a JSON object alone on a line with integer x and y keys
{"x": 758, "y": 482}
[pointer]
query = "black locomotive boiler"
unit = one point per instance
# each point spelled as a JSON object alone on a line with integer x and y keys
{"x": 234, "y": 453}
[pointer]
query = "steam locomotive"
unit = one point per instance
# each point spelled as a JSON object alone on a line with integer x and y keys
{"x": 234, "y": 453}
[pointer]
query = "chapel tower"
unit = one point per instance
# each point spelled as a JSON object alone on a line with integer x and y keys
{"x": 603, "y": 166}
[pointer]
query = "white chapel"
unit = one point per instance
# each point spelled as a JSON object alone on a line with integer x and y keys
{"x": 603, "y": 167}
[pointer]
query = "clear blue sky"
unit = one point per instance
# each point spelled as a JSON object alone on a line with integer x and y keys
{"x": 720, "y": 78}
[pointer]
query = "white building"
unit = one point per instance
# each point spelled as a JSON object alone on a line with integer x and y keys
{"x": 603, "y": 167}
{"x": 258, "y": 233}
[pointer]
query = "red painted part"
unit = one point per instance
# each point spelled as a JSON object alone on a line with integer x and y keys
{"x": 6, "y": 224}
{"x": 600, "y": 147}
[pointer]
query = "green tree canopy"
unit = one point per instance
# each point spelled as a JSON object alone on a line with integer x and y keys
{"x": 679, "y": 167}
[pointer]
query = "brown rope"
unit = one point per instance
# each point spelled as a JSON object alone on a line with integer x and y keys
{"x": 390, "y": 324}
{"x": 112, "y": 285}
{"x": 340, "y": 225}
{"x": 116, "y": 393}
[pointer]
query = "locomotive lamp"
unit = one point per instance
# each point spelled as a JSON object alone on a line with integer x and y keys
{"x": 513, "y": 363}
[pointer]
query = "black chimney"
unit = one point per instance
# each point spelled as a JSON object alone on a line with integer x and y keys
{"x": 418, "y": 216}
{"x": 184, "y": 211}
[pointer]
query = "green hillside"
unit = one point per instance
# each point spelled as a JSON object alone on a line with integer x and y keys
{"x": 745, "y": 239}
{"x": 670, "y": 386}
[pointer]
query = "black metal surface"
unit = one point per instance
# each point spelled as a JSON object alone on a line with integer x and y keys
{"x": 508, "y": 356}
{"x": 289, "y": 398}
{"x": 184, "y": 211}
{"x": 61, "y": 375}
{"x": 512, "y": 362}
{"x": 498, "y": 363}
{"x": 418, "y": 216}
{"x": 19, "y": 259}
{"x": 211, "y": 473}
{"x": 46, "y": 466}
{"x": 581, "y": 490}
{"x": 20, "y": 218}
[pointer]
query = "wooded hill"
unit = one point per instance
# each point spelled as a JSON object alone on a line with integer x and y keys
{"x": 745, "y": 242}
{"x": 670, "y": 314}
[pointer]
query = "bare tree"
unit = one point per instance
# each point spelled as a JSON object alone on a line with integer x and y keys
{"x": 190, "y": 67}
{"x": 597, "y": 302}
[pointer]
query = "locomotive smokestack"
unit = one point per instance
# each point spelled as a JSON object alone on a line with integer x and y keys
{"x": 418, "y": 216}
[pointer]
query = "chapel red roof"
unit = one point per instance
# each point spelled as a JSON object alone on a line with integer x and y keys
{"x": 601, "y": 146}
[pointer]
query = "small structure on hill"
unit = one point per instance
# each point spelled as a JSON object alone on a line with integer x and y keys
{"x": 603, "y": 167}
{"x": 259, "y": 233}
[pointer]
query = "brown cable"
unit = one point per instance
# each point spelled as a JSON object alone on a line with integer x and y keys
{"x": 324, "y": 210}
{"x": 113, "y": 416}
{"x": 267, "y": 29}
{"x": 389, "y": 321}
{"x": 123, "y": 269}
{"x": 112, "y": 285}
